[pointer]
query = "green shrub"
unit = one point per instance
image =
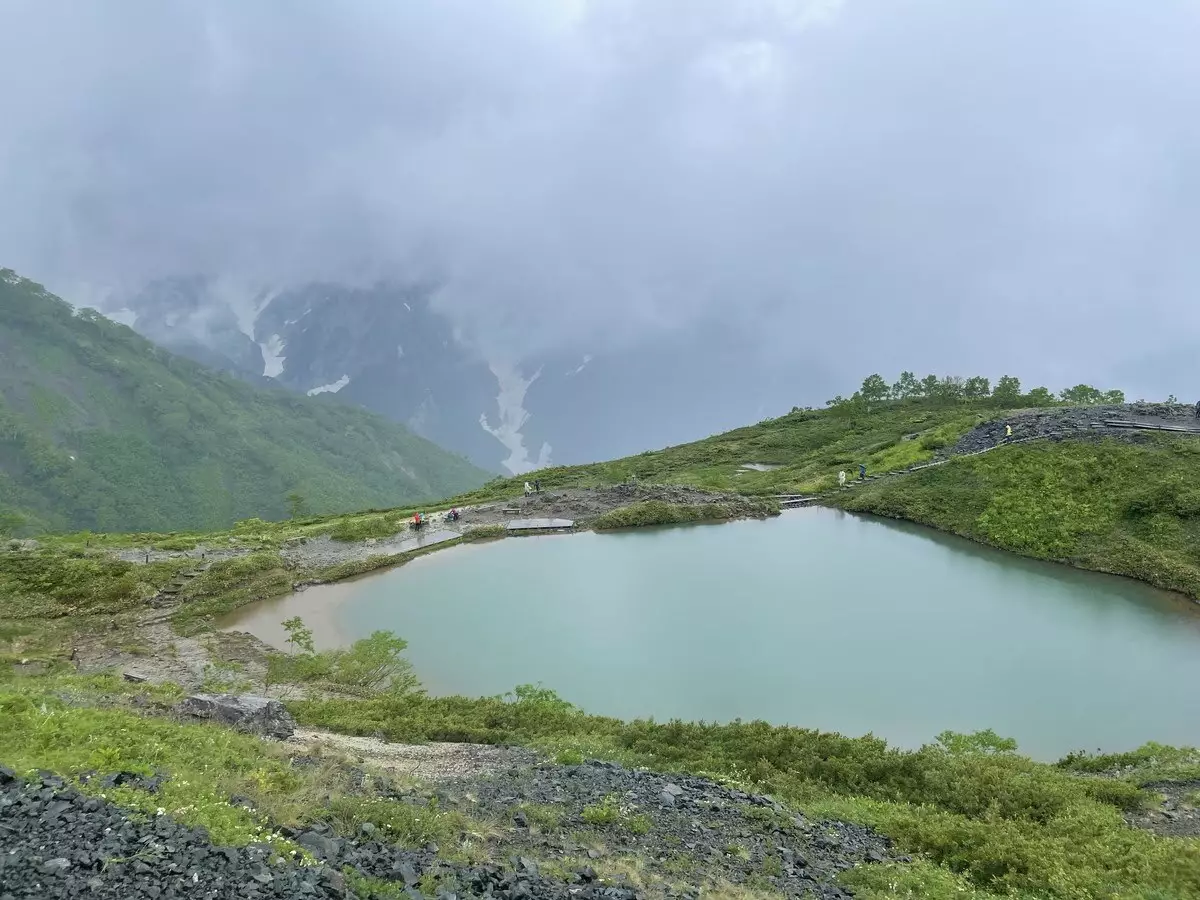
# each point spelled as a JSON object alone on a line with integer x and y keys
{"x": 606, "y": 812}
{"x": 369, "y": 665}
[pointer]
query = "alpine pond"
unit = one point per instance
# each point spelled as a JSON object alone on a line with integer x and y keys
{"x": 817, "y": 619}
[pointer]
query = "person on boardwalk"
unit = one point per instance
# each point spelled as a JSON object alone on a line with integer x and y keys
{"x": 862, "y": 472}
{"x": 842, "y": 478}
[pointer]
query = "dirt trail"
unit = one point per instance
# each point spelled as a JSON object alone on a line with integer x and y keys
{"x": 427, "y": 762}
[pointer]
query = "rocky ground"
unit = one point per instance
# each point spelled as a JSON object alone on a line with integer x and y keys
{"x": 673, "y": 832}
{"x": 1177, "y": 815}
{"x": 56, "y": 842}
{"x": 588, "y": 831}
{"x": 1076, "y": 422}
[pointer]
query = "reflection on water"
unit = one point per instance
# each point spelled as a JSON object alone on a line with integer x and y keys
{"x": 818, "y": 619}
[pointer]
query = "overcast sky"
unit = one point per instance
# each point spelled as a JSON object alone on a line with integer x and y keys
{"x": 956, "y": 186}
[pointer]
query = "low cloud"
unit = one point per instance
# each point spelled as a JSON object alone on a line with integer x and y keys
{"x": 888, "y": 183}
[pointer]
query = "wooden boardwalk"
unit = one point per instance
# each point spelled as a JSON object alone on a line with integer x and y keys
{"x": 528, "y": 525}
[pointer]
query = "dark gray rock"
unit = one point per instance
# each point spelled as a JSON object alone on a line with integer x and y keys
{"x": 60, "y": 845}
{"x": 321, "y": 846}
{"x": 258, "y": 715}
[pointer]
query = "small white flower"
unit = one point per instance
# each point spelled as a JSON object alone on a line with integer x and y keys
{"x": 161, "y": 812}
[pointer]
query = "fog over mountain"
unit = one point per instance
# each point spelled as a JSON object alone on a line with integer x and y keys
{"x": 725, "y": 206}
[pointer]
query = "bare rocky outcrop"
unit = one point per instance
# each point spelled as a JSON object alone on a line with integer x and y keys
{"x": 257, "y": 715}
{"x": 1126, "y": 421}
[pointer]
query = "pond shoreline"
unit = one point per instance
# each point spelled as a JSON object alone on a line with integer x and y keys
{"x": 718, "y": 624}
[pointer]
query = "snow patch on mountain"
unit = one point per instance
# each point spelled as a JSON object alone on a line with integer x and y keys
{"x": 512, "y": 418}
{"x": 332, "y": 388}
{"x": 587, "y": 358}
{"x": 273, "y": 358}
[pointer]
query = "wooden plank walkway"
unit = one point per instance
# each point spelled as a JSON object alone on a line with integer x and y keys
{"x": 541, "y": 524}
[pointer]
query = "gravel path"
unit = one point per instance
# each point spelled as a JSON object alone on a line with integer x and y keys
{"x": 428, "y": 762}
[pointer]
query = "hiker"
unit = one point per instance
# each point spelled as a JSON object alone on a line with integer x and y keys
{"x": 537, "y": 485}
{"x": 417, "y": 520}
{"x": 862, "y": 472}
{"x": 1008, "y": 431}
{"x": 1198, "y": 410}
{"x": 528, "y": 489}
{"x": 842, "y": 478}
{"x": 452, "y": 515}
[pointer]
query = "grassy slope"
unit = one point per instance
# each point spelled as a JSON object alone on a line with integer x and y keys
{"x": 809, "y": 446}
{"x": 1113, "y": 506}
{"x": 160, "y": 443}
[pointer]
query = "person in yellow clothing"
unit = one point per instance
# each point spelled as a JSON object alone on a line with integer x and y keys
{"x": 1008, "y": 431}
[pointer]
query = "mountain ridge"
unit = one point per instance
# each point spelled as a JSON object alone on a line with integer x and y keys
{"x": 101, "y": 429}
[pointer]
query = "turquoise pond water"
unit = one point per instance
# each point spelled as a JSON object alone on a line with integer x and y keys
{"x": 818, "y": 619}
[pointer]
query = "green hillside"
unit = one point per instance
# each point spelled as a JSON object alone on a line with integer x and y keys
{"x": 1130, "y": 508}
{"x": 101, "y": 430}
{"x": 808, "y": 447}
